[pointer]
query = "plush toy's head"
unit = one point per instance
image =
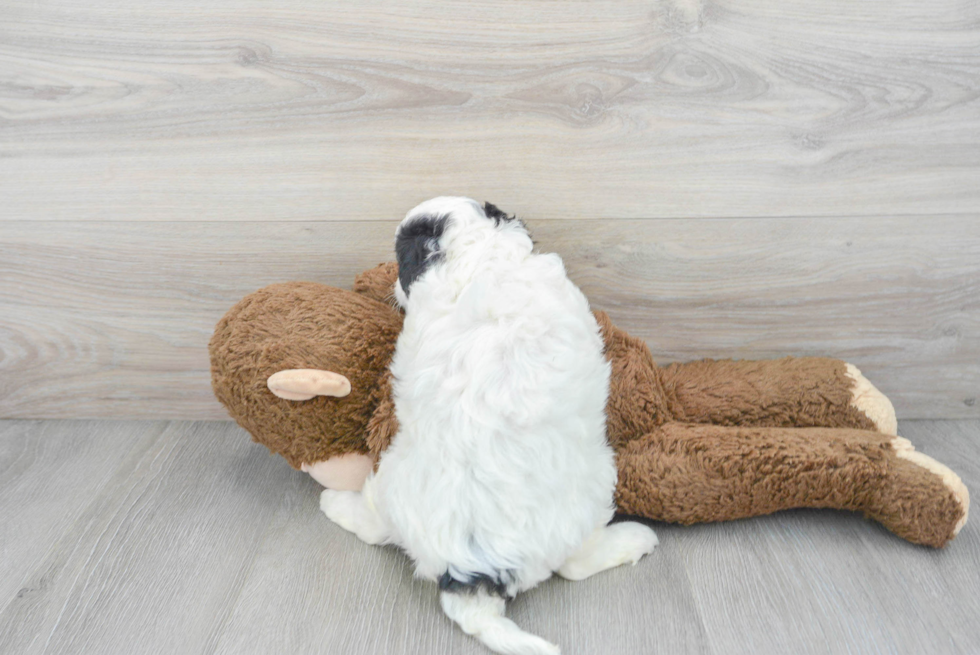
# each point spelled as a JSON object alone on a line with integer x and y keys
{"x": 304, "y": 325}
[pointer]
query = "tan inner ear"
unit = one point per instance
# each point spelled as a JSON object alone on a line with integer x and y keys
{"x": 305, "y": 383}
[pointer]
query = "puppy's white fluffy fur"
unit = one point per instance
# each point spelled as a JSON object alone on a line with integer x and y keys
{"x": 500, "y": 470}
{"x": 501, "y": 461}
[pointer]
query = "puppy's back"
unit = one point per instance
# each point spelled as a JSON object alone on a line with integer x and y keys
{"x": 501, "y": 467}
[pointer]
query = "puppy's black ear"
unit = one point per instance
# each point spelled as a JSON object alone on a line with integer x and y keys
{"x": 496, "y": 214}
{"x": 417, "y": 246}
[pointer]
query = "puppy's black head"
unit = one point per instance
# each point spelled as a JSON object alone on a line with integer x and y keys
{"x": 417, "y": 246}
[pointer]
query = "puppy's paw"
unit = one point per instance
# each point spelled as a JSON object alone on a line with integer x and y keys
{"x": 349, "y": 510}
{"x": 872, "y": 402}
{"x": 340, "y": 507}
{"x": 631, "y": 541}
{"x": 609, "y": 547}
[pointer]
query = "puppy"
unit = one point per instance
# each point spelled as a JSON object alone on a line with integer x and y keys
{"x": 500, "y": 473}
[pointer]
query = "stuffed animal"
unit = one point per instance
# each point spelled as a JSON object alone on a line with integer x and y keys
{"x": 303, "y": 367}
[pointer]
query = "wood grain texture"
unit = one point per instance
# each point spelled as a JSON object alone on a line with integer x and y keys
{"x": 113, "y": 319}
{"x": 200, "y": 542}
{"x": 154, "y": 561}
{"x": 302, "y": 110}
{"x": 39, "y": 461}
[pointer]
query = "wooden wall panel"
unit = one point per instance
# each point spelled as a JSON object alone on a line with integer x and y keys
{"x": 345, "y": 110}
{"x": 159, "y": 161}
{"x": 112, "y": 319}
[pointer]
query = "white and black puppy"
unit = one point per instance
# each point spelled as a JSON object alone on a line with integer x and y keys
{"x": 500, "y": 473}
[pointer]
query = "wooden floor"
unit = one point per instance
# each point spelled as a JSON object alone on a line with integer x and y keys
{"x": 185, "y": 537}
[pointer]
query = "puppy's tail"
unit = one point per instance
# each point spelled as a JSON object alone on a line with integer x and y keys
{"x": 481, "y": 613}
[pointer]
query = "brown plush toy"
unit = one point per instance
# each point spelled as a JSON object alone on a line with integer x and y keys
{"x": 304, "y": 368}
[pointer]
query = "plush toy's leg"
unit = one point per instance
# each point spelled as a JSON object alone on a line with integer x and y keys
{"x": 798, "y": 392}
{"x": 608, "y": 547}
{"x": 686, "y": 473}
{"x": 351, "y": 511}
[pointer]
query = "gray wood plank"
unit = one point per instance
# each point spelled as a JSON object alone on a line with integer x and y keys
{"x": 153, "y": 564}
{"x": 113, "y": 319}
{"x": 202, "y": 543}
{"x": 50, "y": 472}
{"x": 302, "y": 110}
{"x": 317, "y": 589}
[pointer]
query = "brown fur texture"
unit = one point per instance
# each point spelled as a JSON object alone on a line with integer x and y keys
{"x": 378, "y": 283}
{"x": 705, "y": 441}
{"x": 788, "y": 392}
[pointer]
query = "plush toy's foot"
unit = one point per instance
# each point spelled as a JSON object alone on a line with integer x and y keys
{"x": 609, "y": 547}
{"x": 872, "y": 402}
{"x": 915, "y": 476}
{"x": 305, "y": 383}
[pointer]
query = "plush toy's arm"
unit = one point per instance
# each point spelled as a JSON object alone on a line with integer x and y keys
{"x": 685, "y": 473}
{"x": 383, "y": 424}
{"x": 799, "y": 392}
{"x": 378, "y": 283}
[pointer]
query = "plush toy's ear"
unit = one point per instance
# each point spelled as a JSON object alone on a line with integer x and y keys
{"x": 305, "y": 383}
